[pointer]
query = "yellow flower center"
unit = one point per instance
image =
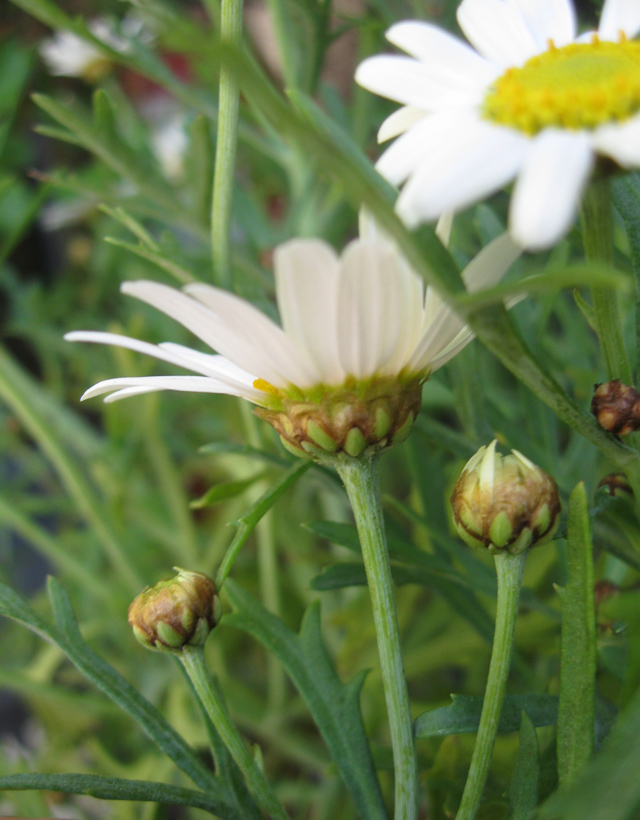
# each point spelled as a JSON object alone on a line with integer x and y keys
{"x": 579, "y": 86}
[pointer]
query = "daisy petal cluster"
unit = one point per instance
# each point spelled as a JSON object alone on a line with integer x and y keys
{"x": 529, "y": 100}
{"x": 344, "y": 372}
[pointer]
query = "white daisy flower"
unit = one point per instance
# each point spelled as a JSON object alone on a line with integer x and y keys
{"x": 533, "y": 102}
{"x": 68, "y": 55}
{"x": 359, "y": 337}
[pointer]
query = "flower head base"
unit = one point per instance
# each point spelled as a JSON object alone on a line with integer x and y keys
{"x": 504, "y": 502}
{"x": 357, "y": 418}
{"x": 177, "y": 612}
{"x": 360, "y": 334}
{"x": 532, "y": 101}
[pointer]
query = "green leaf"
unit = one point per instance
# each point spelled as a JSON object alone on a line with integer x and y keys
{"x": 131, "y": 224}
{"x": 223, "y": 491}
{"x": 96, "y": 133}
{"x": 523, "y": 791}
{"x": 335, "y": 707}
{"x": 609, "y": 787}
{"x": 118, "y": 788}
{"x": 576, "y": 714}
{"x": 183, "y": 276}
{"x": 591, "y": 275}
{"x": 66, "y": 635}
{"x": 244, "y": 450}
{"x": 248, "y": 522}
{"x": 625, "y": 193}
{"x": 463, "y": 715}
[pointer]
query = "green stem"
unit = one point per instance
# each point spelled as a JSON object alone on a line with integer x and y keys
{"x": 192, "y": 658}
{"x": 231, "y": 33}
{"x": 597, "y": 236}
{"x": 509, "y": 569}
{"x": 360, "y": 477}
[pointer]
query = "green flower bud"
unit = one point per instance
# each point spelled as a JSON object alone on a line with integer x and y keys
{"x": 504, "y": 502}
{"x": 177, "y": 612}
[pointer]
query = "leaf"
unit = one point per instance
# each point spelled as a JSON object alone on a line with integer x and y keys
{"x": 244, "y": 450}
{"x": 609, "y": 787}
{"x": 591, "y": 275}
{"x": 463, "y": 715}
{"x": 248, "y": 522}
{"x": 131, "y": 224}
{"x": 118, "y": 788}
{"x": 158, "y": 259}
{"x": 335, "y": 706}
{"x": 523, "y": 791}
{"x": 67, "y": 636}
{"x": 578, "y": 645}
{"x": 223, "y": 491}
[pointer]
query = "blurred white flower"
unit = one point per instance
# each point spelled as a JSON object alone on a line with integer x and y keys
{"x": 68, "y": 55}
{"x": 357, "y": 330}
{"x": 170, "y": 141}
{"x": 533, "y": 102}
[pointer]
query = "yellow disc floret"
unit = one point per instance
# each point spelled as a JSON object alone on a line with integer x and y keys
{"x": 580, "y": 86}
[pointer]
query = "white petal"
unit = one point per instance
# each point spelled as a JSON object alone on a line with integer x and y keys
{"x": 547, "y": 193}
{"x": 444, "y": 227}
{"x": 307, "y": 274}
{"x": 619, "y": 16}
{"x": 443, "y": 329}
{"x": 402, "y": 158}
{"x": 548, "y": 20}
{"x": 491, "y": 264}
{"x": 620, "y": 141}
{"x": 497, "y": 31}
{"x": 463, "y": 162}
{"x": 211, "y": 365}
{"x": 375, "y": 308}
{"x": 461, "y": 341}
{"x": 173, "y": 354}
{"x": 148, "y": 384}
{"x": 239, "y": 331}
{"x": 399, "y": 122}
{"x": 410, "y": 82}
{"x": 446, "y": 54}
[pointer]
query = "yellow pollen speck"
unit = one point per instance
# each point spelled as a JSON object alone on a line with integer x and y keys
{"x": 261, "y": 384}
{"x": 577, "y": 87}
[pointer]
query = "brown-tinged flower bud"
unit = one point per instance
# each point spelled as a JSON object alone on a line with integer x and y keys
{"x": 504, "y": 502}
{"x": 616, "y": 484}
{"x": 616, "y": 406}
{"x": 176, "y": 612}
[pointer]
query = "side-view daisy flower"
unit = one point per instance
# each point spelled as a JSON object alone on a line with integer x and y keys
{"x": 359, "y": 337}
{"x": 533, "y": 101}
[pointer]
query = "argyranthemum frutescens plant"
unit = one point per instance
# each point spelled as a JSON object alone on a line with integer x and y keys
{"x": 340, "y": 381}
{"x": 533, "y": 101}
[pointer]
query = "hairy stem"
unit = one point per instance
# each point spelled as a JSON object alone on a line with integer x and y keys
{"x": 360, "y": 479}
{"x": 192, "y": 659}
{"x": 509, "y": 568}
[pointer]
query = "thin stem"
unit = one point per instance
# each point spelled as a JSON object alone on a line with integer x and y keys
{"x": 192, "y": 659}
{"x": 509, "y": 569}
{"x": 360, "y": 477}
{"x": 231, "y": 32}
{"x": 597, "y": 236}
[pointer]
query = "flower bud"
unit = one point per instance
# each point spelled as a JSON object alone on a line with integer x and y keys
{"x": 504, "y": 502}
{"x": 176, "y": 612}
{"x": 616, "y": 406}
{"x": 616, "y": 484}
